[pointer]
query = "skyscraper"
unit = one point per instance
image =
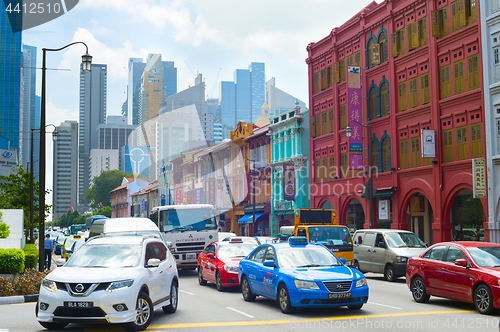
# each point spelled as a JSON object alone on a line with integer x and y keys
{"x": 28, "y": 105}
{"x": 136, "y": 69}
{"x": 92, "y": 113}
{"x": 280, "y": 101}
{"x": 10, "y": 80}
{"x": 65, "y": 190}
{"x": 241, "y": 99}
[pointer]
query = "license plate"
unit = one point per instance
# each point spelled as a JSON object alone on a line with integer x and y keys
{"x": 74, "y": 304}
{"x": 190, "y": 256}
{"x": 339, "y": 295}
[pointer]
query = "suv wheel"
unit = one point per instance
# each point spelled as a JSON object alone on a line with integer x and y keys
{"x": 390, "y": 274}
{"x": 144, "y": 315}
{"x": 174, "y": 299}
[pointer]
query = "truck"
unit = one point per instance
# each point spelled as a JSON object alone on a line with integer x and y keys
{"x": 187, "y": 229}
{"x": 321, "y": 226}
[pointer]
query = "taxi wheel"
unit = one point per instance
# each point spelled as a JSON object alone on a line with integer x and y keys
{"x": 356, "y": 265}
{"x": 53, "y": 326}
{"x": 201, "y": 281}
{"x": 174, "y": 299}
{"x": 284, "y": 300}
{"x": 218, "y": 282}
{"x": 483, "y": 300}
{"x": 418, "y": 290}
{"x": 248, "y": 295}
{"x": 390, "y": 274}
{"x": 144, "y": 313}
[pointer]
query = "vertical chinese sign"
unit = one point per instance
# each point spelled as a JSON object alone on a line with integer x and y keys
{"x": 289, "y": 181}
{"x": 197, "y": 196}
{"x": 178, "y": 196}
{"x": 354, "y": 117}
{"x": 479, "y": 178}
{"x": 211, "y": 191}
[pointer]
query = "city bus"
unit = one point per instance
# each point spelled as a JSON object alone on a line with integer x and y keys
{"x": 90, "y": 220}
{"x": 74, "y": 229}
{"x": 189, "y": 228}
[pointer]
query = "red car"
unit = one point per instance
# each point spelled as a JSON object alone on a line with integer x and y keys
{"x": 463, "y": 271}
{"x": 219, "y": 262}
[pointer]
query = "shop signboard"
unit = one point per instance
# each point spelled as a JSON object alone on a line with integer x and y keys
{"x": 479, "y": 178}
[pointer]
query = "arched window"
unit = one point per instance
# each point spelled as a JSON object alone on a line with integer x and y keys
{"x": 382, "y": 40}
{"x": 370, "y": 52}
{"x": 384, "y": 99}
{"x": 386, "y": 155}
{"x": 374, "y": 156}
{"x": 373, "y": 103}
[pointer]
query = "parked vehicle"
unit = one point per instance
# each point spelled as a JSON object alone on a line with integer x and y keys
{"x": 59, "y": 242}
{"x": 118, "y": 279}
{"x": 301, "y": 274}
{"x": 464, "y": 271}
{"x": 218, "y": 263}
{"x": 124, "y": 226}
{"x": 90, "y": 220}
{"x": 66, "y": 247}
{"x": 385, "y": 251}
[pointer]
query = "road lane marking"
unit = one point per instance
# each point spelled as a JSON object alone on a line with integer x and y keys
{"x": 385, "y": 305}
{"x": 240, "y": 312}
{"x": 289, "y": 321}
{"x": 186, "y": 292}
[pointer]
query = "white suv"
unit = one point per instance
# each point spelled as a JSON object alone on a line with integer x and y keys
{"x": 120, "y": 279}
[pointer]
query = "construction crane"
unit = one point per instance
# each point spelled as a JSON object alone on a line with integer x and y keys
{"x": 189, "y": 68}
{"x": 215, "y": 83}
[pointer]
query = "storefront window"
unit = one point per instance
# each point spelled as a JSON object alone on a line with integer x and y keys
{"x": 467, "y": 217}
{"x": 355, "y": 217}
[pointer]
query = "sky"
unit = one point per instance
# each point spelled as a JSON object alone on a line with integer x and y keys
{"x": 211, "y": 37}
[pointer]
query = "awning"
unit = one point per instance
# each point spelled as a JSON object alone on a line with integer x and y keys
{"x": 384, "y": 192}
{"x": 248, "y": 218}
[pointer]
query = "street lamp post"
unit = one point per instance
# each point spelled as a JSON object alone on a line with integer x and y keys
{"x": 348, "y": 133}
{"x": 86, "y": 67}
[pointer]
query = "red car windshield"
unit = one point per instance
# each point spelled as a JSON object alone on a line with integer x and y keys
{"x": 236, "y": 250}
{"x": 485, "y": 256}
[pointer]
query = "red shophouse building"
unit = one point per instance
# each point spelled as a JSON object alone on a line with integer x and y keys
{"x": 420, "y": 70}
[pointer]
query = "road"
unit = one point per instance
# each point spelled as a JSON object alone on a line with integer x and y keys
{"x": 202, "y": 308}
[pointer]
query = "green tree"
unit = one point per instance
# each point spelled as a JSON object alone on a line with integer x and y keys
{"x": 4, "y": 228}
{"x": 98, "y": 195}
{"x": 15, "y": 194}
{"x": 104, "y": 211}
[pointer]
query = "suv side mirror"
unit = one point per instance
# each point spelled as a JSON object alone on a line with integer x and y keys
{"x": 382, "y": 245}
{"x": 153, "y": 262}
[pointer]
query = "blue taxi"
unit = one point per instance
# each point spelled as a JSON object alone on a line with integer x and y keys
{"x": 301, "y": 274}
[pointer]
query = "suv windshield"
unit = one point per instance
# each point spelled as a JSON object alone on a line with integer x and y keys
{"x": 404, "y": 240}
{"x": 106, "y": 255}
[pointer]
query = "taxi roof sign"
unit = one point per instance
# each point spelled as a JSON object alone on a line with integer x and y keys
{"x": 236, "y": 240}
{"x": 298, "y": 240}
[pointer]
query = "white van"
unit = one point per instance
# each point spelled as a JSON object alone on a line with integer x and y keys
{"x": 125, "y": 226}
{"x": 385, "y": 251}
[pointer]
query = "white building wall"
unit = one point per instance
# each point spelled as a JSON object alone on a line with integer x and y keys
{"x": 102, "y": 160}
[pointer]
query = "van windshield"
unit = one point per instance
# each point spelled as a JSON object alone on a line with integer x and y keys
{"x": 404, "y": 240}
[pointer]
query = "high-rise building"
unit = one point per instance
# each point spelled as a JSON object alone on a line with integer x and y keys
{"x": 10, "y": 80}
{"x": 136, "y": 69}
{"x": 28, "y": 106}
{"x": 280, "y": 101}
{"x": 241, "y": 99}
{"x": 151, "y": 93}
{"x": 65, "y": 188}
{"x": 93, "y": 87}
{"x": 218, "y": 132}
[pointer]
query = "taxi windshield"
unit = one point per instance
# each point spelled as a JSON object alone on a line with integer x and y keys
{"x": 404, "y": 240}
{"x": 337, "y": 236}
{"x": 306, "y": 257}
{"x": 235, "y": 250}
{"x": 485, "y": 256}
{"x": 106, "y": 256}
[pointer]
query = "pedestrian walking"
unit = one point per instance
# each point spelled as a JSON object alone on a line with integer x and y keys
{"x": 49, "y": 248}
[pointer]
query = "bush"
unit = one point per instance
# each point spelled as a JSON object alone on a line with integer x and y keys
{"x": 27, "y": 283}
{"x": 31, "y": 256}
{"x": 11, "y": 261}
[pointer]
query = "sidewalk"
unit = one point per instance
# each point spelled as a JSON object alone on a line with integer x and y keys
{"x": 26, "y": 298}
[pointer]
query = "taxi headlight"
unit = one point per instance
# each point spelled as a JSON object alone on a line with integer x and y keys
{"x": 117, "y": 285}
{"x": 305, "y": 284}
{"x": 49, "y": 285}
{"x": 361, "y": 282}
{"x": 230, "y": 268}
{"x": 402, "y": 259}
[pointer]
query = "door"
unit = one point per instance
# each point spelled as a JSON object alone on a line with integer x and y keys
{"x": 432, "y": 269}
{"x": 207, "y": 264}
{"x": 456, "y": 279}
{"x": 255, "y": 269}
{"x": 267, "y": 275}
{"x": 378, "y": 255}
{"x": 155, "y": 274}
{"x": 165, "y": 270}
{"x": 365, "y": 250}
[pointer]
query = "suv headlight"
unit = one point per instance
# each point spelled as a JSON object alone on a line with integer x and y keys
{"x": 402, "y": 259}
{"x": 230, "y": 268}
{"x": 305, "y": 284}
{"x": 117, "y": 285}
{"x": 49, "y": 285}
{"x": 361, "y": 282}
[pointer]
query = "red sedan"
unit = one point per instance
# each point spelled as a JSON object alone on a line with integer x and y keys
{"x": 219, "y": 262}
{"x": 463, "y": 271}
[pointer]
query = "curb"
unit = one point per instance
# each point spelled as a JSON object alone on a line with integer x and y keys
{"x": 18, "y": 299}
